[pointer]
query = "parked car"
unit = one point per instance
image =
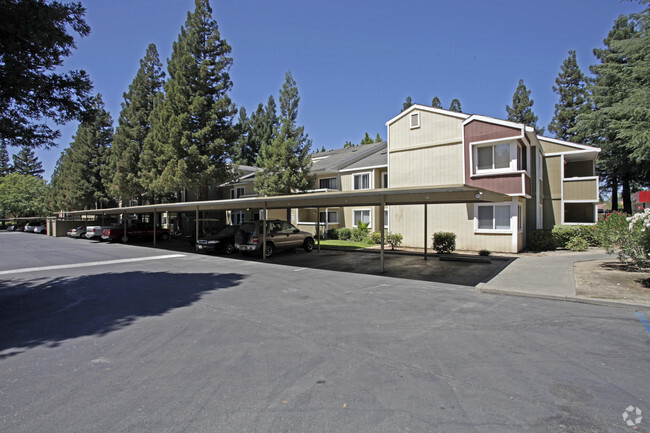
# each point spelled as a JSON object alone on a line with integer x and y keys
{"x": 78, "y": 232}
{"x": 95, "y": 232}
{"x": 30, "y": 226}
{"x": 222, "y": 241}
{"x": 41, "y": 229}
{"x": 280, "y": 235}
{"x": 138, "y": 230}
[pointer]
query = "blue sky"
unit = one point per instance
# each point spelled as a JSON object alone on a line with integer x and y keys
{"x": 355, "y": 62}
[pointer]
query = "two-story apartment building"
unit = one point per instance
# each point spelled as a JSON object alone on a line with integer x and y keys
{"x": 550, "y": 182}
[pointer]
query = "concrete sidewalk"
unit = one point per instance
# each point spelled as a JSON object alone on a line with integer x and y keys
{"x": 548, "y": 277}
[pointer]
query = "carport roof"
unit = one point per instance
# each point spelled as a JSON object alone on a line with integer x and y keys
{"x": 373, "y": 197}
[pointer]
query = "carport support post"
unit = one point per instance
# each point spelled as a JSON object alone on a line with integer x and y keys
{"x": 124, "y": 223}
{"x": 264, "y": 233}
{"x": 425, "y": 231}
{"x": 318, "y": 228}
{"x": 154, "y": 228}
{"x": 196, "y": 226}
{"x": 381, "y": 228}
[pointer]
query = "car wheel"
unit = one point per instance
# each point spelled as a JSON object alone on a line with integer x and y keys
{"x": 269, "y": 249}
{"x": 308, "y": 245}
{"x": 164, "y": 236}
{"x": 229, "y": 249}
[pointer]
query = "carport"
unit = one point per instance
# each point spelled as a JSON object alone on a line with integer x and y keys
{"x": 376, "y": 197}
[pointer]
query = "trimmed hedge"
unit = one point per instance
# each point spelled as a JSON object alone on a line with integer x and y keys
{"x": 444, "y": 242}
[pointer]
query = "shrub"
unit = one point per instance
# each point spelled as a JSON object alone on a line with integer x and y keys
{"x": 375, "y": 237}
{"x": 332, "y": 234}
{"x": 444, "y": 242}
{"x": 344, "y": 233}
{"x": 562, "y": 235}
{"x": 360, "y": 232}
{"x": 577, "y": 243}
{"x": 484, "y": 253}
{"x": 627, "y": 236}
{"x": 394, "y": 240}
{"x": 589, "y": 234}
{"x": 541, "y": 240}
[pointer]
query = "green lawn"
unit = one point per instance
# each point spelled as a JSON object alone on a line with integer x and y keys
{"x": 346, "y": 245}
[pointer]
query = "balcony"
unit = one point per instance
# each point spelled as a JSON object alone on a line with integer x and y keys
{"x": 581, "y": 188}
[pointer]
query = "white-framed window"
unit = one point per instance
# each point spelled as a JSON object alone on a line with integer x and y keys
{"x": 237, "y": 217}
{"x": 361, "y": 181}
{"x": 492, "y": 217}
{"x": 237, "y": 192}
{"x": 384, "y": 180}
{"x": 362, "y": 215}
{"x": 328, "y": 183}
{"x": 414, "y": 120}
{"x": 497, "y": 157}
{"x": 329, "y": 217}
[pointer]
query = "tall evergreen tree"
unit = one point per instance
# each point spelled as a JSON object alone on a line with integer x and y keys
{"x": 134, "y": 126}
{"x": 5, "y": 166}
{"x": 27, "y": 163}
{"x": 435, "y": 102}
{"x": 83, "y": 172}
{"x": 242, "y": 147}
{"x": 35, "y": 39}
{"x": 521, "y": 110}
{"x": 571, "y": 87}
{"x": 348, "y": 144}
{"x": 192, "y": 127}
{"x": 608, "y": 91}
{"x": 407, "y": 103}
{"x": 455, "y": 106}
{"x": 285, "y": 162}
{"x": 253, "y": 132}
{"x": 366, "y": 139}
{"x": 378, "y": 138}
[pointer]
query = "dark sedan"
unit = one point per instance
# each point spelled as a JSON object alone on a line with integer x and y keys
{"x": 222, "y": 241}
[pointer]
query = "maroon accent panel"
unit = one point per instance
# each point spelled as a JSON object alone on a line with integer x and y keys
{"x": 505, "y": 184}
{"x": 478, "y": 130}
{"x": 527, "y": 184}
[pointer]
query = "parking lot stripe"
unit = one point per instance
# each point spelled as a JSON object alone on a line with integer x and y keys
{"x": 83, "y": 265}
{"x": 644, "y": 321}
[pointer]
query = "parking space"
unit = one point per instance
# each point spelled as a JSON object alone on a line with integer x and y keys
{"x": 205, "y": 343}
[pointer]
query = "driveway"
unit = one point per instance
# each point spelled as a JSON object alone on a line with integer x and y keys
{"x": 203, "y": 344}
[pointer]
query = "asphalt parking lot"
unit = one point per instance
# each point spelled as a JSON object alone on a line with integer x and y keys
{"x": 118, "y": 338}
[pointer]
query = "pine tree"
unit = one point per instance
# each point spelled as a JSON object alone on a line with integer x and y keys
{"x": 435, "y": 102}
{"x": 348, "y": 144}
{"x": 83, "y": 171}
{"x": 27, "y": 163}
{"x": 5, "y": 166}
{"x": 193, "y": 125}
{"x": 521, "y": 110}
{"x": 366, "y": 139}
{"x": 407, "y": 103}
{"x": 455, "y": 106}
{"x": 571, "y": 86}
{"x": 285, "y": 162}
{"x": 378, "y": 138}
{"x": 240, "y": 149}
{"x": 134, "y": 126}
{"x": 253, "y": 132}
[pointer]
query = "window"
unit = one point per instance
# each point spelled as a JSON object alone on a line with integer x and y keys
{"x": 360, "y": 215}
{"x": 329, "y": 183}
{"x": 493, "y": 217}
{"x": 415, "y": 120}
{"x": 329, "y": 217}
{"x": 237, "y": 192}
{"x": 237, "y": 217}
{"x": 362, "y": 181}
{"x": 385, "y": 218}
{"x": 384, "y": 180}
{"x": 498, "y": 157}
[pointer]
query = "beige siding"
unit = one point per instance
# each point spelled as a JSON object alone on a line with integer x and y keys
{"x": 554, "y": 147}
{"x": 439, "y": 165}
{"x": 456, "y": 218}
{"x": 434, "y": 129}
{"x": 552, "y": 213}
{"x": 553, "y": 177}
{"x": 581, "y": 190}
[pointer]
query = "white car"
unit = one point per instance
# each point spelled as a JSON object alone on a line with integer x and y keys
{"x": 41, "y": 228}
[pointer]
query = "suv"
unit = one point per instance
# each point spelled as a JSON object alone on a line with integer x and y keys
{"x": 279, "y": 235}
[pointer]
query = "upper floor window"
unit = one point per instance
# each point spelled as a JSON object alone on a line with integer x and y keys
{"x": 384, "y": 180}
{"x": 362, "y": 181}
{"x": 415, "y": 120}
{"x": 237, "y": 192}
{"x": 328, "y": 183}
{"x": 497, "y": 157}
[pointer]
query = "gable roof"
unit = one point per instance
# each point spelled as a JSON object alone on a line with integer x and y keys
{"x": 428, "y": 109}
{"x": 335, "y": 160}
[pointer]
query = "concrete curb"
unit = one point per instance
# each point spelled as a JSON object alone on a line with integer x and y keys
{"x": 578, "y": 299}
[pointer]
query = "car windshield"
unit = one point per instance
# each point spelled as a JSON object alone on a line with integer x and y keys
{"x": 228, "y": 231}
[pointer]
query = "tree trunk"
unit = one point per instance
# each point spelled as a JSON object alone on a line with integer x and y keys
{"x": 614, "y": 184}
{"x": 627, "y": 197}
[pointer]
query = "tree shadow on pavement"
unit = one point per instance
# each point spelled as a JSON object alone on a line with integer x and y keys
{"x": 49, "y": 311}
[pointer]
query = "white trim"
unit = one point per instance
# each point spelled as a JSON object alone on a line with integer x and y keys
{"x": 523, "y": 128}
{"x": 562, "y": 186}
{"x": 573, "y": 152}
{"x": 581, "y": 201}
{"x": 512, "y": 220}
{"x": 429, "y": 110}
{"x": 568, "y": 143}
{"x": 469, "y": 150}
{"x": 372, "y": 167}
{"x": 573, "y": 179}
{"x": 499, "y": 173}
{"x": 512, "y": 167}
{"x": 495, "y": 141}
